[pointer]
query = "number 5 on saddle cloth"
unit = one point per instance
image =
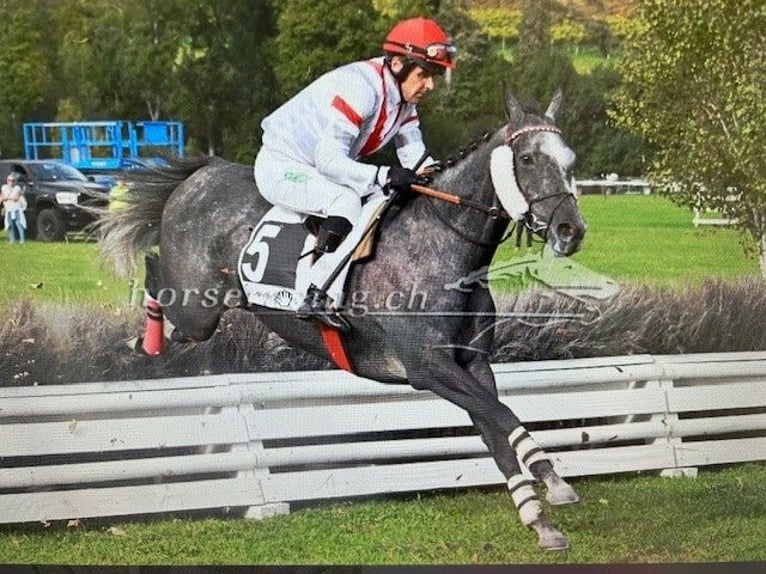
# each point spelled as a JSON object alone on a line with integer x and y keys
{"x": 273, "y": 266}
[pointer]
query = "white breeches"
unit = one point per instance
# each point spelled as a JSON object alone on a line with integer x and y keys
{"x": 300, "y": 187}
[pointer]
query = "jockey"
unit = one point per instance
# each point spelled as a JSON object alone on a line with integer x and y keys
{"x": 312, "y": 144}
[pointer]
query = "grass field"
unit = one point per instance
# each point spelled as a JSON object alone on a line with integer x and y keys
{"x": 720, "y": 516}
{"x": 58, "y": 273}
{"x": 636, "y": 239}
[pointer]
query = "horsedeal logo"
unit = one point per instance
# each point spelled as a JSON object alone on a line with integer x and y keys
{"x": 576, "y": 286}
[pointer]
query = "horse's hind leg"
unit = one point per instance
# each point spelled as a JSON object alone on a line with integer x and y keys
{"x": 190, "y": 315}
{"x": 151, "y": 341}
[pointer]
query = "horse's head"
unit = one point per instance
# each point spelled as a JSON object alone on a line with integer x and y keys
{"x": 532, "y": 172}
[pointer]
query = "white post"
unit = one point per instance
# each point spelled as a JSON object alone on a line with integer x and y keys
{"x": 669, "y": 419}
{"x": 264, "y": 509}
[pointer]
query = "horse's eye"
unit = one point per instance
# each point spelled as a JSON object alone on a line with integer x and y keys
{"x": 526, "y": 159}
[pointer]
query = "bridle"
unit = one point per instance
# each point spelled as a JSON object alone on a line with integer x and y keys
{"x": 530, "y": 221}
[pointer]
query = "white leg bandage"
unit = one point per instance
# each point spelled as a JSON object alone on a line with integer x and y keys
{"x": 525, "y": 498}
{"x": 526, "y": 449}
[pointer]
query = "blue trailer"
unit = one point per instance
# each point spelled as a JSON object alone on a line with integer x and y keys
{"x": 102, "y": 147}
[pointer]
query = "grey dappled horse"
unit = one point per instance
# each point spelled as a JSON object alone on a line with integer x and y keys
{"x": 415, "y": 329}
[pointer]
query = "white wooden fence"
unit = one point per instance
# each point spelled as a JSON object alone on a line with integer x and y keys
{"x": 708, "y": 216}
{"x": 609, "y": 186}
{"x": 254, "y": 443}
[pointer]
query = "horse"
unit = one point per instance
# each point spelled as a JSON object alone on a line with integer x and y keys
{"x": 415, "y": 329}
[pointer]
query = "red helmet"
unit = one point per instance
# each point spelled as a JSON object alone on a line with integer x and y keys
{"x": 423, "y": 41}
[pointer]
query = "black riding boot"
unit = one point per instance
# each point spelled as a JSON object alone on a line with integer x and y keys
{"x": 316, "y": 305}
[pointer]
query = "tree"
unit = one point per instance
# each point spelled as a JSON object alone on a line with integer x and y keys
{"x": 151, "y": 33}
{"x": 315, "y": 37}
{"x": 75, "y": 92}
{"x": 113, "y": 58}
{"x": 534, "y": 30}
{"x": 695, "y": 87}
{"x": 24, "y": 72}
{"x": 601, "y": 146}
{"x": 225, "y": 70}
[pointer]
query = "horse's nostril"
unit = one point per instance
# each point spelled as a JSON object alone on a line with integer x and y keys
{"x": 566, "y": 231}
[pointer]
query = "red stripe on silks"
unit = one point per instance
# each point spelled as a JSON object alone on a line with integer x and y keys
{"x": 343, "y": 107}
{"x": 333, "y": 342}
{"x": 410, "y": 119}
{"x": 376, "y": 137}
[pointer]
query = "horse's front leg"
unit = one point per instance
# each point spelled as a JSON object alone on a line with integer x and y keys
{"x": 480, "y": 330}
{"x": 531, "y": 455}
{"x": 439, "y": 372}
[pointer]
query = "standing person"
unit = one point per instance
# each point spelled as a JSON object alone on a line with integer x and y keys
{"x": 312, "y": 144}
{"x": 14, "y": 205}
{"x": 117, "y": 195}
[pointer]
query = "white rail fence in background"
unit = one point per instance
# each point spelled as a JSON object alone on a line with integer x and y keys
{"x": 611, "y": 186}
{"x": 701, "y": 216}
{"x": 708, "y": 216}
{"x": 253, "y": 443}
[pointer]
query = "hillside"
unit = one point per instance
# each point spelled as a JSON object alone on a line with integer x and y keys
{"x": 586, "y": 8}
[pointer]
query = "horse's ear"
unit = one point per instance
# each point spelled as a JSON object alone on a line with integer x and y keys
{"x": 553, "y": 107}
{"x": 513, "y": 109}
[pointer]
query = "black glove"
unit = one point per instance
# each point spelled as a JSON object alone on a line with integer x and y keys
{"x": 399, "y": 179}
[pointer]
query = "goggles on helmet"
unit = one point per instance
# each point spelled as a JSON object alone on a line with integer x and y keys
{"x": 441, "y": 52}
{"x": 437, "y": 53}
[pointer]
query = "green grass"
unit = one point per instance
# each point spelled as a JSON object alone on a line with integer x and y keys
{"x": 648, "y": 239}
{"x": 586, "y": 60}
{"x": 720, "y": 516}
{"x": 59, "y": 273}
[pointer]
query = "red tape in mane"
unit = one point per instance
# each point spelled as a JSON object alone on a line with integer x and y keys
{"x": 333, "y": 342}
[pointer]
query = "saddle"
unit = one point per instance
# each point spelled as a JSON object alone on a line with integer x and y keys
{"x": 274, "y": 263}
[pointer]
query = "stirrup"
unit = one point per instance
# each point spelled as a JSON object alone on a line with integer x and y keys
{"x": 315, "y": 307}
{"x": 333, "y": 319}
{"x": 315, "y": 300}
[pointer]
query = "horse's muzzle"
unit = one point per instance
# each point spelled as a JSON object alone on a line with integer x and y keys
{"x": 566, "y": 238}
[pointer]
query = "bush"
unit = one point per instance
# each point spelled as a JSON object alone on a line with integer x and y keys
{"x": 56, "y": 345}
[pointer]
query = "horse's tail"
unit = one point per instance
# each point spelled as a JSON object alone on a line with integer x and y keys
{"x": 132, "y": 225}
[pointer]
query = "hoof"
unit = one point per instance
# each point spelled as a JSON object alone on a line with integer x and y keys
{"x": 559, "y": 492}
{"x": 134, "y": 344}
{"x": 553, "y": 543}
{"x": 549, "y": 539}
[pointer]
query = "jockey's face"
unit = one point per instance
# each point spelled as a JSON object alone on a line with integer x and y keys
{"x": 417, "y": 85}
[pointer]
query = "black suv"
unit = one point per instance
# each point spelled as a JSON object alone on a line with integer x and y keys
{"x": 56, "y": 193}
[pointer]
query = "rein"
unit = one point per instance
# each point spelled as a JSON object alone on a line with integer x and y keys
{"x": 493, "y": 211}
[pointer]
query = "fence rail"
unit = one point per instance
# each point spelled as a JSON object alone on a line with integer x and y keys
{"x": 611, "y": 185}
{"x": 253, "y": 443}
